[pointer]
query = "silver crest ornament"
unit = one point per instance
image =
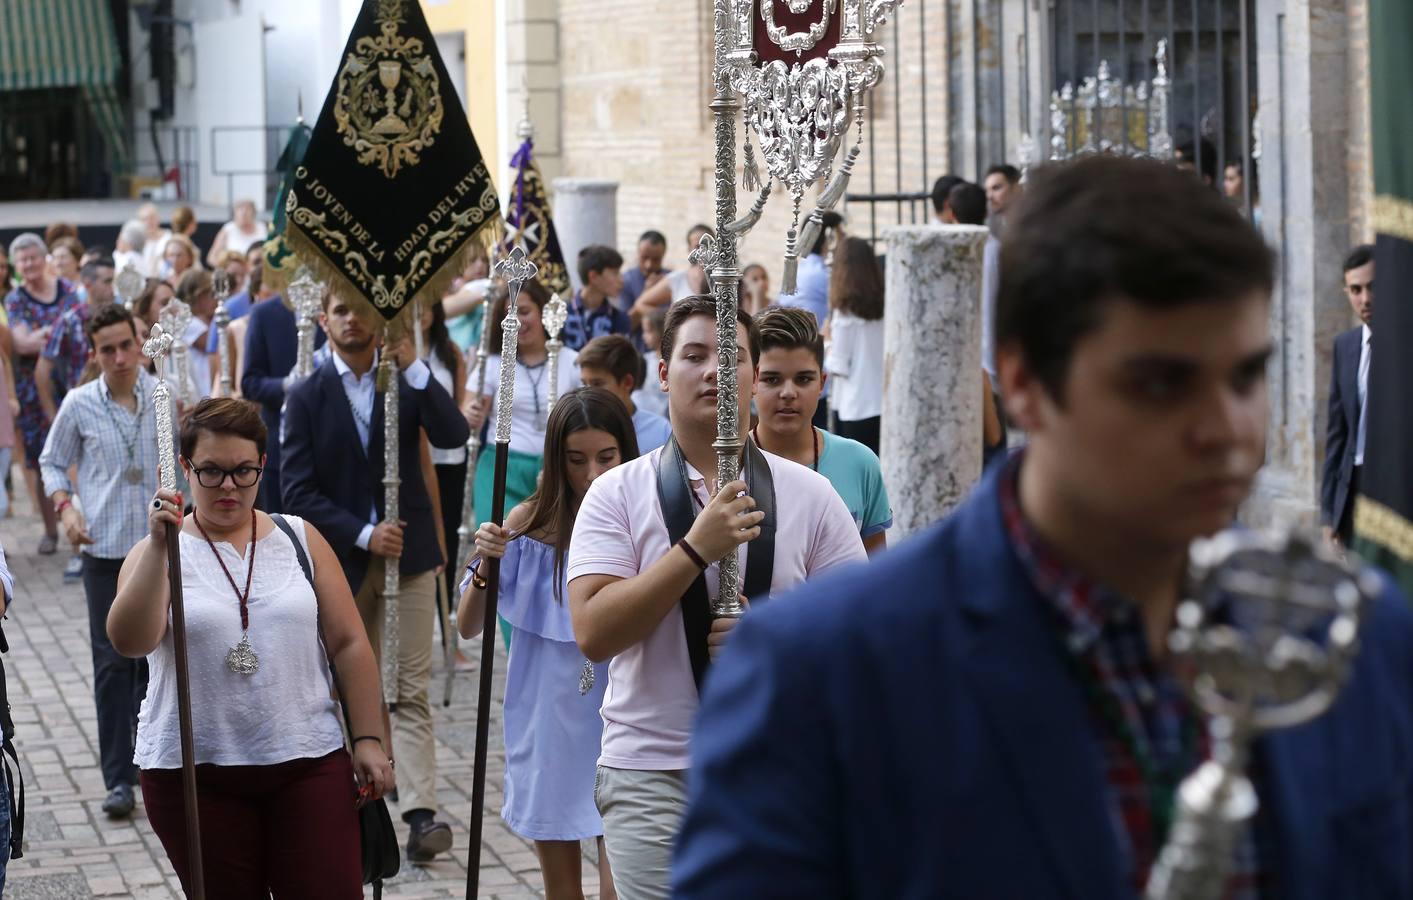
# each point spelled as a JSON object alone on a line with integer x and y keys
{"x": 242, "y": 659}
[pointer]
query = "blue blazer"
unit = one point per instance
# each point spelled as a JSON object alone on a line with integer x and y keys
{"x": 271, "y": 347}
{"x": 330, "y": 480}
{"x": 907, "y": 730}
{"x": 1342, "y": 430}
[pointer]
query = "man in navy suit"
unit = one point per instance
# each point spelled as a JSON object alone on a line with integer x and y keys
{"x": 271, "y": 347}
{"x": 990, "y": 711}
{"x": 333, "y": 476}
{"x": 1349, "y": 398}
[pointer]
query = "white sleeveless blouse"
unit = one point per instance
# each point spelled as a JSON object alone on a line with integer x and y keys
{"x": 285, "y": 710}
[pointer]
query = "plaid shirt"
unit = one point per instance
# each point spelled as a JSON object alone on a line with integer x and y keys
{"x": 1108, "y": 650}
{"x": 94, "y": 432}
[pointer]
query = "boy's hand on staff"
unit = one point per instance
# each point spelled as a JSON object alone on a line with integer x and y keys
{"x": 720, "y": 628}
{"x": 386, "y": 540}
{"x": 729, "y": 520}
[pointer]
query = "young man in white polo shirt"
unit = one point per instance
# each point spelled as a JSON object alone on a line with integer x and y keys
{"x": 640, "y": 586}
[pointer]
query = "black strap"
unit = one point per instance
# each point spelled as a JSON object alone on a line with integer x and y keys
{"x": 679, "y": 512}
{"x": 14, "y": 777}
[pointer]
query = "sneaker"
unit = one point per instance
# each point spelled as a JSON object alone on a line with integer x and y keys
{"x": 427, "y": 838}
{"x": 73, "y": 570}
{"x": 120, "y": 802}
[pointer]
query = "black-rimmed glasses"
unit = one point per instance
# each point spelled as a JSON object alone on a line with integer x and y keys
{"x": 215, "y": 476}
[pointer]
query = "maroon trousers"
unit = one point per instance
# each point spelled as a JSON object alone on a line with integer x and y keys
{"x": 290, "y": 829}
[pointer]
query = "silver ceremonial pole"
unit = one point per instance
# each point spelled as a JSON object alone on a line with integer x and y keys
{"x": 387, "y": 382}
{"x": 221, "y": 287}
{"x": 553, "y": 317}
{"x": 305, "y": 295}
{"x": 175, "y": 318}
{"x": 128, "y": 286}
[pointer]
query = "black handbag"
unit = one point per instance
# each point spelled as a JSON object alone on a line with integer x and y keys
{"x": 382, "y": 857}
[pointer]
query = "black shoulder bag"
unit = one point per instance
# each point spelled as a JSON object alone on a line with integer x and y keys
{"x": 679, "y": 511}
{"x": 381, "y": 855}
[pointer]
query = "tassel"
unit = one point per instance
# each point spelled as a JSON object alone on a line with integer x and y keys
{"x": 792, "y": 262}
{"x": 750, "y": 173}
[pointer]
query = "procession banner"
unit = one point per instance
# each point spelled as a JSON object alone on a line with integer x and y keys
{"x": 1383, "y": 514}
{"x": 392, "y": 188}
{"x": 529, "y": 222}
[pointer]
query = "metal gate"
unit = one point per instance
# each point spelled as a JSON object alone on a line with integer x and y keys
{"x": 1028, "y": 81}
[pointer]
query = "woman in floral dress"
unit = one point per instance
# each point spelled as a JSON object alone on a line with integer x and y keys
{"x": 32, "y": 309}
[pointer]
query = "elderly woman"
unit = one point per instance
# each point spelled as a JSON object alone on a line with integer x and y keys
{"x": 278, "y": 792}
{"x": 132, "y": 239}
{"x": 239, "y": 234}
{"x": 32, "y": 309}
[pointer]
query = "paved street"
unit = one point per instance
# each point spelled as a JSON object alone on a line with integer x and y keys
{"x": 73, "y": 851}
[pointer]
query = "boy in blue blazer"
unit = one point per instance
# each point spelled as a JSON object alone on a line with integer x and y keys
{"x": 990, "y": 711}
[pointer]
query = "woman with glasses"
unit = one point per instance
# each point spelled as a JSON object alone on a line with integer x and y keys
{"x": 278, "y": 792}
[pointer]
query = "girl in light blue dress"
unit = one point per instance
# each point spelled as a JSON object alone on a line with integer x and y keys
{"x": 552, "y": 694}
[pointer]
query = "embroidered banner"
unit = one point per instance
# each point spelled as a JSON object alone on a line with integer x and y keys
{"x": 392, "y": 188}
{"x": 529, "y": 223}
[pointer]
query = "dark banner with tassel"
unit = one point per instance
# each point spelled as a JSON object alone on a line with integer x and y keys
{"x": 529, "y": 223}
{"x": 392, "y": 187}
{"x": 1383, "y": 517}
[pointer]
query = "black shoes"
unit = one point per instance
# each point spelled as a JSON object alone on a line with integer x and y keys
{"x": 120, "y": 802}
{"x": 427, "y": 838}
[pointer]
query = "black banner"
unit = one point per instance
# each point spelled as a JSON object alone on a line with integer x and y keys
{"x": 392, "y": 187}
{"x": 1383, "y": 514}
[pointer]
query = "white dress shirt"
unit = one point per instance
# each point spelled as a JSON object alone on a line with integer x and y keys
{"x": 361, "y": 391}
{"x": 1365, "y": 353}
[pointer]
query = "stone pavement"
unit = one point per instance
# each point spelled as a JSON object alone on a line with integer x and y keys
{"x": 73, "y": 851}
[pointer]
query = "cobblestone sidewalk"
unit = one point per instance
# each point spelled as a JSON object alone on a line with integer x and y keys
{"x": 73, "y": 851}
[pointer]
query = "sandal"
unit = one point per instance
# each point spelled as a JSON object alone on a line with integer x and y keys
{"x": 48, "y": 544}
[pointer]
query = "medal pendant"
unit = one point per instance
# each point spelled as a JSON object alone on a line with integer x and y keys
{"x": 242, "y": 659}
{"x": 586, "y": 678}
{"x": 133, "y": 475}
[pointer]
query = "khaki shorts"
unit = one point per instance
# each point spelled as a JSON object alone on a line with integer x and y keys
{"x": 642, "y": 812}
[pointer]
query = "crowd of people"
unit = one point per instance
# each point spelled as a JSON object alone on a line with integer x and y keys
{"x": 608, "y": 555}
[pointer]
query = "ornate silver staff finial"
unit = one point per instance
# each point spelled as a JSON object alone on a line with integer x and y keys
{"x": 159, "y": 343}
{"x": 515, "y": 269}
{"x": 221, "y": 287}
{"x": 553, "y": 317}
{"x": 129, "y": 285}
{"x": 305, "y": 295}
{"x": 175, "y": 319}
{"x": 1160, "y": 142}
{"x": 1271, "y": 631}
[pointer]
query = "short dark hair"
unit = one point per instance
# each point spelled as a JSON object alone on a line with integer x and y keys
{"x": 1359, "y": 256}
{"x": 788, "y": 328}
{"x": 942, "y": 191}
{"x": 1104, "y": 229}
{"x": 702, "y": 305}
{"x": 89, "y": 270}
{"x": 968, "y": 202}
{"x": 616, "y": 355}
{"x": 106, "y": 315}
{"x": 597, "y": 258}
{"x": 1012, "y": 174}
{"x": 698, "y": 227}
{"x": 1187, "y": 152}
{"x": 224, "y": 415}
{"x": 653, "y": 237}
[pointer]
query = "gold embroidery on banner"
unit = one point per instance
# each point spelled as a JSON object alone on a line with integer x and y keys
{"x": 1393, "y": 216}
{"x": 316, "y": 224}
{"x": 388, "y": 104}
{"x": 1383, "y": 526}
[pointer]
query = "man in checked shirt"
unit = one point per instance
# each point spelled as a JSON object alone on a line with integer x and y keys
{"x": 991, "y": 711}
{"x": 107, "y": 428}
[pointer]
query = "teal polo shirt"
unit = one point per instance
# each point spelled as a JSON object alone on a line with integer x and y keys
{"x": 857, "y": 477}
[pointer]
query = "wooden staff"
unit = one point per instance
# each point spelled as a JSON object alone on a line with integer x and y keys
{"x": 515, "y": 269}
{"x": 158, "y": 345}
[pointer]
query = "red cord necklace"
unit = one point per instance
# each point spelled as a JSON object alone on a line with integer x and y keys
{"x": 241, "y": 659}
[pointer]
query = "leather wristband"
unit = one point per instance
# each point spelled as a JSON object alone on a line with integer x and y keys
{"x": 692, "y": 554}
{"x": 63, "y": 505}
{"x": 367, "y": 737}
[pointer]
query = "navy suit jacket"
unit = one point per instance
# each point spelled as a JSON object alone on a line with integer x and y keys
{"x": 1342, "y": 430}
{"x": 908, "y": 730}
{"x": 271, "y": 347}
{"x": 330, "y": 480}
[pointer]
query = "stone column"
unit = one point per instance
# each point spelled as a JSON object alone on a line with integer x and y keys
{"x": 585, "y": 212}
{"x": 932, "y": 388}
